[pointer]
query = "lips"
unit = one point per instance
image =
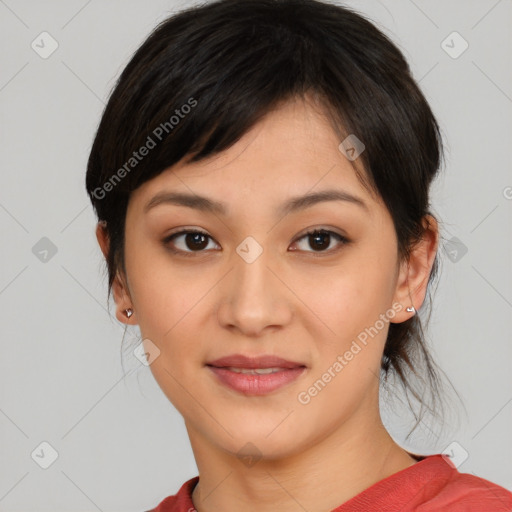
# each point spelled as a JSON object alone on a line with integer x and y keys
{"x": 241, "y": 361}
{"x": 255, "y": 375}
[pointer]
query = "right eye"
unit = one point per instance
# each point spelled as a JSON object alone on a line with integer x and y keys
{"x": 187, "y": 242}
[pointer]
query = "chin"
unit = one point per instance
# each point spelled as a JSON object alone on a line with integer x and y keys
{"x": 255, "y": 442}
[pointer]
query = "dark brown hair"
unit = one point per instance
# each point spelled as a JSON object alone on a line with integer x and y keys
{"x": 207, "y": 74}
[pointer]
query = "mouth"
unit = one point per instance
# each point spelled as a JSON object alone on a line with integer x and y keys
{"x": 254, "y": 371}
{"x": 255, "y": 375}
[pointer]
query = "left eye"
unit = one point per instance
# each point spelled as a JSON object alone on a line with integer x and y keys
{"x": 320, "y": 239}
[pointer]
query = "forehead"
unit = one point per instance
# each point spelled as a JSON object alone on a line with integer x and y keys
{"x": 291, "y": 151}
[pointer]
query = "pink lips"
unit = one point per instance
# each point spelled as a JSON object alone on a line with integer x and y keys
{"x": 266, "y": 373}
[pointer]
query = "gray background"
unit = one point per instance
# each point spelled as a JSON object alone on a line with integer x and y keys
{"x": 120, "y": 443}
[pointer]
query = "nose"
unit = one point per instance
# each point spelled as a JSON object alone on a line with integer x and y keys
{"x": 254, "y": 298}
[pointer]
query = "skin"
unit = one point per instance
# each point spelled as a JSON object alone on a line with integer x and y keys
{"x": 306, "y": 305}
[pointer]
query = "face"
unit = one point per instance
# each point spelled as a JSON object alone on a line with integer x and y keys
{"x": 254, "y": 283}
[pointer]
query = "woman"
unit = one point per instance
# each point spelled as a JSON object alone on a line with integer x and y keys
{"x": 261, "y": 178}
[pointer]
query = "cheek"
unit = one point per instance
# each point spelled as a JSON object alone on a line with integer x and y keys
{"x": 175, "y": 308}
{"x": 164, "y": 294}
{"x": 353, "y": 306}
{"x": 171, "y": 313}
{"x": 349, "y": 298}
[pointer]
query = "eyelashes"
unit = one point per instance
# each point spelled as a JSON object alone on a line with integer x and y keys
{"x": 321, "y": 234}
{"x": 195, "y": 242}
{"x": 197, "y": 239}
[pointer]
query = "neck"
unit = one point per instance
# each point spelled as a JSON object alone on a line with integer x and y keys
{"x": 321, "y": 477}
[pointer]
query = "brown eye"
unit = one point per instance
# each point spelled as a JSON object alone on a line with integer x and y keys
{"x": 320, "y": 240}
{"x": 189, "y": 241}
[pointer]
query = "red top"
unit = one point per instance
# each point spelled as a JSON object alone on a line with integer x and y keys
{"x": 432, "y": 484}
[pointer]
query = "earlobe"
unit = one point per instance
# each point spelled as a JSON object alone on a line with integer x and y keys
{"x": 124, "y": 309}
{"x": 125, "y": 316}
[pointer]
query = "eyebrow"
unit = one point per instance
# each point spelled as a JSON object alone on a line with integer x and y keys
{"x": 292, "y": 205}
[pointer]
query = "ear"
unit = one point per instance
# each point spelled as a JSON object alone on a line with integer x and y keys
{"x": 411, "y": 286}
{"x": 119, "y": 286}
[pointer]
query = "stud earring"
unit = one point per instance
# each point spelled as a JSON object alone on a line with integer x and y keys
{"x": 410, "y": 309}
{"x": 128, "y": 312}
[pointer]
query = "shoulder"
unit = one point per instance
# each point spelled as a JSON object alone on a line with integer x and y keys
{"x": 442, "y": 487}
{"x": 464, "y": 492}
{"x": 179, "y": 502}
{"x": 433, "y": 483}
